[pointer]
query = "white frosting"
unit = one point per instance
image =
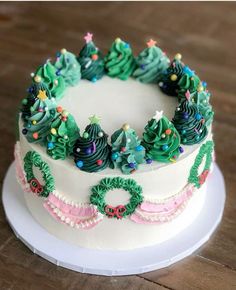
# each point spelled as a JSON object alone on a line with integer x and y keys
{"x": 117, "y": 102}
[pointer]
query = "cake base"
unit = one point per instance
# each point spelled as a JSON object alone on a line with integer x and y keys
{"x": 113, "y": 263}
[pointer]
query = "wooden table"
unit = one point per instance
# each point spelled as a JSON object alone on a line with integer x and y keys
{"x": 205, "y": 34}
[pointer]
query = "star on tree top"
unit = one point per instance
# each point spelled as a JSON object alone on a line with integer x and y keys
{"x": 151, "y": 43}
{"x": 158, "y": 115}
{"x": 88, "y": 37}
{"x": 94, "y": 119}
{"x": 42, "y": 95}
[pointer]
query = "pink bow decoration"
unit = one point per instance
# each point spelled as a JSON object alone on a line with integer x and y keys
{"x": 117, "y": 211}
{"x": 203, "y": 176}
{"x": 35, "y": 186}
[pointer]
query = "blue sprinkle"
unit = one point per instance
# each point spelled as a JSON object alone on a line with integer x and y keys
{"x": 79, "y": 164}
{"x": 114, "y": 156}
{"x": 181, "y": 149}
{"x": 198, "y": 116}
{"x": 132, "y": 165}
{"x": 204, "y": 84}
{"x": 93, "y": 80}
{"x": 24, "y": 131}
{"x": 127, "y": 45}
{"x": 142, "y": 66}
{"x": 58, "y": 54}
{"x": 164, "y": 147}
{"x": 188, "y": 71}
{"x": 139, "y": 148}
{"x": 50, "y": 145}
{"x": 148, "y": 161}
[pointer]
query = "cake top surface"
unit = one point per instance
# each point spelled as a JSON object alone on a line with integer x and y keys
{"x": 117, "y": 102}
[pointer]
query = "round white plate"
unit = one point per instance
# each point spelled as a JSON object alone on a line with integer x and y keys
{"x": 113, "y": 262}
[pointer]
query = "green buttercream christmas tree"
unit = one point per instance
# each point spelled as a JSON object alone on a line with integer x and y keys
{"x": 31, "y": 98}
{"x": 188, "y": 82}
{"x": 68, "y": 67}
{"x": 189, "y": 122}
{"x": 63, "y": 135}
{"x": 202, "y": 99}
{"x": 171, "y": 77}
{"x": 91, "y": 151}
{"x": 42, "y": 113}
{"x": 120, "y": 62}
{"x": 127, "y": 153}
{"x": 161, "y": 140}
{"x": 47, "y": 73}
{"x": 151, "y": 64}
{"x": 91, "y": 60}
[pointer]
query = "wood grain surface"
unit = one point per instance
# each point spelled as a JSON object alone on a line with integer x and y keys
{"x": 205, "y": 34}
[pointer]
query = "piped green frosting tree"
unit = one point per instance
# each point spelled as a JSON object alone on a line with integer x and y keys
{"x": 188, "y": 82}
{"x": 127, "y": 153}
{"x": 171, "y": 77}
{"x": 63, "y": 134}
{"x": 91, "y": 60}
{"x": 120, "y": 62}
{"x": 202, "y": 99}
{"x": 91, "y": 151}
{"x": 42, "y": 113}
{"x": 161, "y": 140}
{"x": 151, "y": 64}
{"x": 68, "y": 67}
{"x": 31, "y": 98}
{"x": 47, "y": 73}
{"x": 189, "y": 122}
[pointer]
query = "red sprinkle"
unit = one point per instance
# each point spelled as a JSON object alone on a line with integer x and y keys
{"x": 35, "y": 135}
{"x": 59, "y": 109}
{"x": 168, "y": 131}
{"x": 99, "y": 162}
{"x": 123, "y": 149}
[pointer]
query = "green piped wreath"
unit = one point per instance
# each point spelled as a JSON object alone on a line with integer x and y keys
{"x": 99, "y": 191}
{"x": 31, "y": 159}
{"x": 205, "y": 150}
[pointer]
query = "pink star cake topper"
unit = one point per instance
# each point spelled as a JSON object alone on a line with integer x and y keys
{"x": 151, "y": 43}
{"x": 88, "y": 37}
{"x": 188, "y": 95}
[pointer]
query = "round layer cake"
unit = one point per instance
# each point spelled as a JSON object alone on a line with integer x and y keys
{"x": 133, "y": 174}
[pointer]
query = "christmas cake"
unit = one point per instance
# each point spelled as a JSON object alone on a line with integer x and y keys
{"x": 114, "y": 149}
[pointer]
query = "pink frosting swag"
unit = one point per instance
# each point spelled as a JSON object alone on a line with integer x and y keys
{"x": 82, "y": 216}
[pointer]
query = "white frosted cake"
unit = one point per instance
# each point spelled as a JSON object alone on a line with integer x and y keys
{"x": 114, "y": 151}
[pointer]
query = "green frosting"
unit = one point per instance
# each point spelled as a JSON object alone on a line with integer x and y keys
{"x": 55, "y": 83}
{"x": 91, "y": 61}
{"x": 202, "y": 99}
{"x": 99, "y": 191}
{"x": 171, "y": 77}
{"x": 91, "y": 152}
{"x": 127, "y": 153}
{"x": 120, "y": 62}
{"x": 33, "y": 159}
{"x": 151, "y": 64}
{"x": 68, "y": 67}
{"x": 37, "y": 125}
{"x": 189, "y": 123}
{"x": 195, "y": 177}
{"x": 28, "y": 102}
{"x": 188, "y": 82}
{"x": 63, "y": 135}
{"x": 161, "y": 140}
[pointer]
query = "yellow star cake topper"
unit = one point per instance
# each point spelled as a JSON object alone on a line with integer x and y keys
{"x": 42, "y": 95}
{"x": 94, "y": 119}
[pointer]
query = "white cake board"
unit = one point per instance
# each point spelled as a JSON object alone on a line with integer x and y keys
{"x": 112, "y": 263}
